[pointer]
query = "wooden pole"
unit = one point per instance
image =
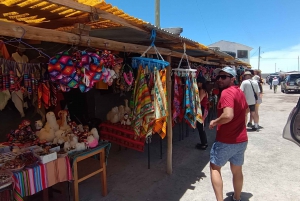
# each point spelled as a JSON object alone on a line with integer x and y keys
{"x": 258, "y": 57}
{"x": 169, "y": 120}
{"x": 157, "y": 13}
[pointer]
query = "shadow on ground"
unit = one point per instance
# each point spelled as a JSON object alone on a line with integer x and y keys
{"x": 244, "y": 196}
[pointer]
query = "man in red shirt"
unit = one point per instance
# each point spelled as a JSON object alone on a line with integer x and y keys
{"x": 231, "y": 140}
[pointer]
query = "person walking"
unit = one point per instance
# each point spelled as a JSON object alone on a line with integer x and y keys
{"x": 203, "y": 95}
{"x": 270, "y": 82}
{"x": 257, "y": 79}
{"x": 251, "y": 91}
{"x": 275, "y": 83}
{"x": 231, "y": 139}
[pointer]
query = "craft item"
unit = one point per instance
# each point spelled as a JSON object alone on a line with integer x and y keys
{"x": 1, "y": 79}
{"x": 11, "y": 80}
{"x": 14, "y": 165}
{"x": 5, "y": 177}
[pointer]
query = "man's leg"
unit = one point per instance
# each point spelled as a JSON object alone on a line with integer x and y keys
{"x": 216, "y": 180}
{"x": 255, "y": 118}
{"x": 237, "y": 180}
{"x": 256, "y": 112}
{"x": 246, "y": 118}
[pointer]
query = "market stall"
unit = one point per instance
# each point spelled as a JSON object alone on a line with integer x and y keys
{"x": 92, "y": 63}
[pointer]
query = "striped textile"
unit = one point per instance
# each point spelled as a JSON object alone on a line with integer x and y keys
{"x": 30, "y": 180}
{"x": 33, "y": 180}
{"x": 143, "y": 114}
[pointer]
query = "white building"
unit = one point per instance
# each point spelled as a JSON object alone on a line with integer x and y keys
{"x": 242, "y": 52}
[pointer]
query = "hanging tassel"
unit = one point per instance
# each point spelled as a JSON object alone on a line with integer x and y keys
{"x": 1, "y": 79}
{"x": 26, "y": 76}
{"x": 5, "y": 82}
{"x": 11, "y": 80}
{"x": 32, "y": 80}
{"x": 36, "y": 84}
{"x": 29, "y": 85}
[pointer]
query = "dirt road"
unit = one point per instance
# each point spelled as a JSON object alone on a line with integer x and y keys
{"x": 271, "y": 170}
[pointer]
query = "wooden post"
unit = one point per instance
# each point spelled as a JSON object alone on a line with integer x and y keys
{"x": 169, "y": 120}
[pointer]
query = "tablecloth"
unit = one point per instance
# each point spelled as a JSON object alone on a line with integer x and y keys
{"x": 33, "y": 180}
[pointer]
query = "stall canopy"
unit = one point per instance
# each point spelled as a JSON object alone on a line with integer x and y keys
{"x": 106, "y": 22}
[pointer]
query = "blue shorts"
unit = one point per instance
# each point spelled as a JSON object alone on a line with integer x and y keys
{"x": 234, "y": 153}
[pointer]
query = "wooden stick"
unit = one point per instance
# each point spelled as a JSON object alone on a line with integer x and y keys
{"x": 103, "y": 173}
{"x": 76, "y": 190}
{"x": 169, "y": 119}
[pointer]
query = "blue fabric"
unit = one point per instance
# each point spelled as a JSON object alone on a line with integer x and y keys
{"x": 234, "y": 153}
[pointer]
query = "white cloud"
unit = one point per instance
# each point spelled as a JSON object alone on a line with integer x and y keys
{"x": 285, "y": 59}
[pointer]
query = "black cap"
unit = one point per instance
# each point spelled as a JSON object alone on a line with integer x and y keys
{"x": 201, "y": 79}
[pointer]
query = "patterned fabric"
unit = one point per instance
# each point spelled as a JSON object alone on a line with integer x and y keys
{"x": 143, "y": 113}
{"x": 160, "y": 102}
{"x": 198, "y": 111}
{"x": 63, "y": 70}
{"x": 33, "y": 180}
{"x": 177, "y": 100}
{"x": 189, "y": 107}
{"x": 30, "y": 181}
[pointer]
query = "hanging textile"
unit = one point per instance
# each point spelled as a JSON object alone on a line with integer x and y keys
{"x": 143, "y": 113}
{"x": 160, "y": 102}
{"x": 178, "y": 111}
{"x": 197, "y": 101}
{"x": 189, "y": 104}
{"x": 3, "y": 50}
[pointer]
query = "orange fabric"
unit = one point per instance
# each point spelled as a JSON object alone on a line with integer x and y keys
{"x": 101, "y": 85}
{"x": 3, "y": 50}
{"x": 57, "y": 171}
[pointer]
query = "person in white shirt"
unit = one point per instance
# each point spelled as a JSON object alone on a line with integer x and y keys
{"x": 251, "y": 91}
{"x": 256, "y": 79}
{"x": 275, "y": 82}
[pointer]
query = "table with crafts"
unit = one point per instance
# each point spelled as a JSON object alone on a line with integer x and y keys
{"x": 40, "y": 177}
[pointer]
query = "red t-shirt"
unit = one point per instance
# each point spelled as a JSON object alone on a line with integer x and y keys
{"x": 234, "y": 131}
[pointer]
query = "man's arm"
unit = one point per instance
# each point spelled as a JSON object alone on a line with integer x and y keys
{"x": 225, "y": 117}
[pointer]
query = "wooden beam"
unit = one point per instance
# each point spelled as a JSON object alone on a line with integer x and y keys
{"x": 127, "y": 23}
{"x": 35, "y": 33}
{"x": 89, "y": 9}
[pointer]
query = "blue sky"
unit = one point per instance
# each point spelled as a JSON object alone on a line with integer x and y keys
{"x": 271, "y": 24}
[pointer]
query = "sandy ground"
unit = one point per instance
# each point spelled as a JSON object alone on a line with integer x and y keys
{"x": 271, "y": 169}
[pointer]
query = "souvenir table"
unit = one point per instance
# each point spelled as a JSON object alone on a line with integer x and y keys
{"x": 102, "y": 150}
{"x": 42, "y": 176}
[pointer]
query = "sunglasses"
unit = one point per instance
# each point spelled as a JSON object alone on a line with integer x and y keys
{"x": 223, "y": 77}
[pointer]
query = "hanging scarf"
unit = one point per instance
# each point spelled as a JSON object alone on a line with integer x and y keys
{"x": 177, "y": 100}
{"x": 189, "y": 107}
{"x": 197, "y": 108}
{"x": 160, "y": 102}
{"x": 143, "y": 113}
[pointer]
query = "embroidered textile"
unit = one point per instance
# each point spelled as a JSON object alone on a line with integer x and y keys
{"x": 178, "y": 111}
{"x": 160, "y": 102}
{"x": 197, "y": 108}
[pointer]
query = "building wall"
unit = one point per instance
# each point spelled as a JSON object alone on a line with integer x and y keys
{"x": 233, "y": 47}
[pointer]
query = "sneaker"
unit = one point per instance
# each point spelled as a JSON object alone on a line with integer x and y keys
{"x": 235, "y": 199}
{"x": 249, "y": 124}
{"x": 254, "y": 129}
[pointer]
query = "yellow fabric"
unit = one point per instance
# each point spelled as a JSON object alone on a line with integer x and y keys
{"x": 160, "y": 102}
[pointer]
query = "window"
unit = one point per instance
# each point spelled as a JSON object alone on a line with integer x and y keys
{"x": 242, "y": 54}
